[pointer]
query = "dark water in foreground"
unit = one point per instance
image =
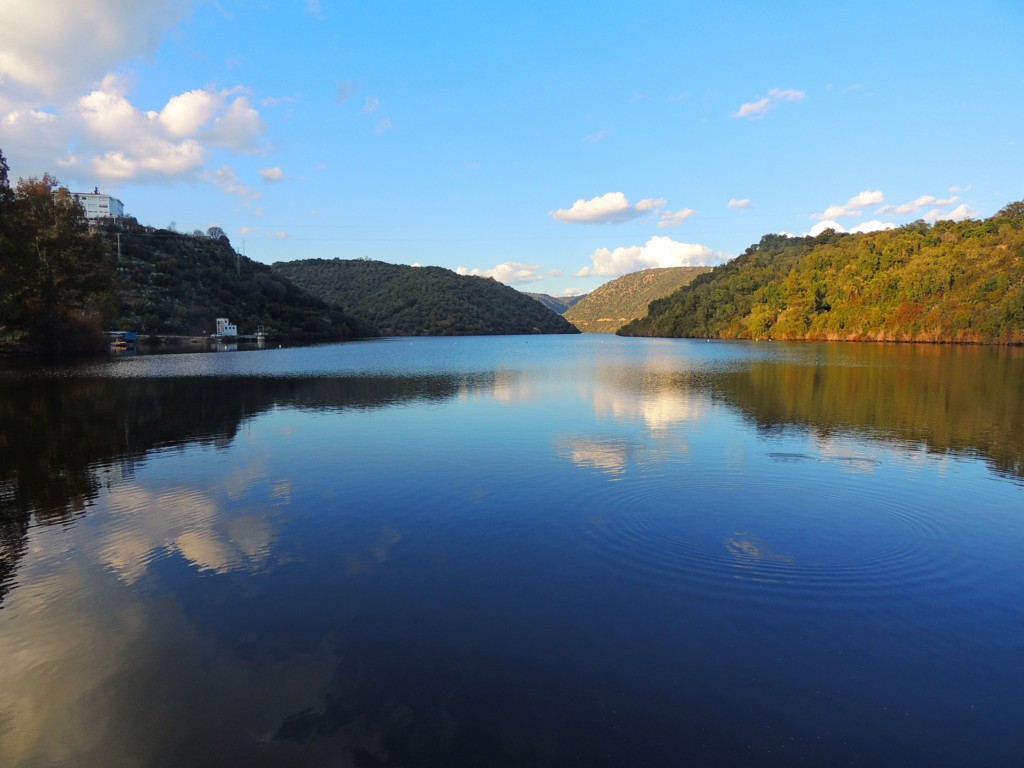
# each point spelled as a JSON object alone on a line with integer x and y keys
{"x": 515, "y": 551}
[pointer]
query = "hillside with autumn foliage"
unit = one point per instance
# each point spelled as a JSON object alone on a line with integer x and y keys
{"x": 942, "y": 282}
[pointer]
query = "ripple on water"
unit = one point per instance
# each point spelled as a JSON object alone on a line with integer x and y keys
{"x": 808, "y": 537}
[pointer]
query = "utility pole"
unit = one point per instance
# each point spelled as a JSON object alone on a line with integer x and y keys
{"x": 118, "y": 247}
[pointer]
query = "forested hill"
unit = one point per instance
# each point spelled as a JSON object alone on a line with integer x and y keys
{"x": 176, "y": 283}
{"x": 617, "y": 302}
{"x": 64, "y": 280}
{"x": 946, "y": 282}
{"x": 399, "y": 300}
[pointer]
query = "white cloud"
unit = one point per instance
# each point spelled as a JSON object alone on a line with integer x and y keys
{"x": 650, "y": 204}
{"x": 237, "y": 126}
{"x": 755, "y": 110}
{"x": 917, "y": 205}
{"x": 272, "y": 174}
{"x": 370, "y": 105}
{"x": 873, "y": 226}
{"x": 656, "y": 252}
{"x": 187, "y": 112}
{"x": 51, "y": 51}
{"x": 743, "y": 203}
{"x": 384, "y": 125}
{"x": 104, "y": 135}
{"x": 226, "y": 179}
{"x": 962, "y": 211}
{"x": 867, "y": 226}
{"x": 853, "y": 206}
{"x": 279, "y": 235}
{"x": 674, "y": 219}
{"x": 821, "y": 226}
{"x": 611, "y": 207}
{"x": 510, "y": 273}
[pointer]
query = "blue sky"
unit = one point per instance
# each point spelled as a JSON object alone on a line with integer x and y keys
{"x": 554, "y": 146}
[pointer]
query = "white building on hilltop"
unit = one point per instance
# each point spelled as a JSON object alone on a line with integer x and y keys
{"x": 99, "y": 206}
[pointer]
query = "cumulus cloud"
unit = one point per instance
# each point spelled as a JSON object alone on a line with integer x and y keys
{"x": 611, "y": 207}
{"x": 962, "y": 211}
{"x": 62, "y": 107}
{"x": 675, "y": 218}
{"x": 917, "y": 205}
{"x": 867, "y": 226}
{"x": 821, "y": 226}
{"x": 104, "y": 135}
{"x": 742, "y": 203}
{"x": 56, "y": 50}
{"x": 187, "y": 112}
{"x": 873, "y": 226}
{"x": 226, "y": 179}
{"x": 853, "y": 207}
{"x": 272, "y": 174}
{"x": 237, "y": 126}
{"x": 755, "y": 110}
{"x": 510, "y": 273}
{"x": 657, "y": 252}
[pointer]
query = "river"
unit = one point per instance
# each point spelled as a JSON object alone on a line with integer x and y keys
{"x": 512, "y": 551}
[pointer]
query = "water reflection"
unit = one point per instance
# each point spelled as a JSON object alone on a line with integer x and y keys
{"x": 608, "y": 455}
{"x": 962, "y": 399}
{"x": 660, "y": 401}
{"x": 144, "y": 524}
{"x": 94, "y": 673}
{"x": 64, "y": 439}
{"x": 660, "y": 554}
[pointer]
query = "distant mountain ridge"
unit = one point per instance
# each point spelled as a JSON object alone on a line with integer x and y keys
{"x": 557, "y": 304}
{"x": 615, "y": 303}
{"x": 943, "y": 282}
{"x": 399, "y": 300}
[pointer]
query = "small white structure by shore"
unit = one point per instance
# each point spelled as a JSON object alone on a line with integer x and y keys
{"x": 225, "y": 328}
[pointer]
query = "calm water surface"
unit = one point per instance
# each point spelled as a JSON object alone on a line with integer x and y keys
{"x": 512, "y": 552}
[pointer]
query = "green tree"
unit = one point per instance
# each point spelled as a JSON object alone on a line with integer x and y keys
{"x": 56, "y": 278}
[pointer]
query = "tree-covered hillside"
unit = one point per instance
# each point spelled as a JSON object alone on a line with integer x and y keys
{"x": 56, "y": 277}
{"x": 617, "y": 302}
{"x": 400, "y": 300}
{"x": 65, "y": 281}
{"x": 175, "y": 283}
{"x": 946, "y": 282}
